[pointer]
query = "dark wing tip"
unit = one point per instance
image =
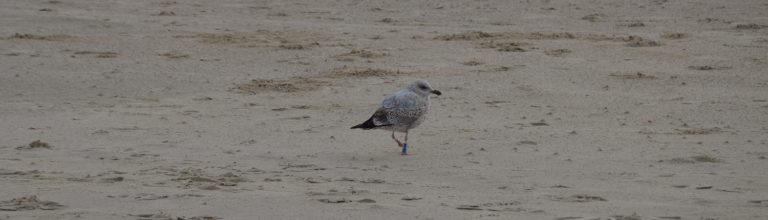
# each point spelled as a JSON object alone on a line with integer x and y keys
{"x": 370, "y": 124}
{"x": 365, "y": 125}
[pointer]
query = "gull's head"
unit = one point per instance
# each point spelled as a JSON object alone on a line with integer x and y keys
{"x": 423, "y": 88}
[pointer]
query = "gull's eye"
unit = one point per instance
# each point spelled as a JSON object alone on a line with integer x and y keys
{"x": 422, "y": 87}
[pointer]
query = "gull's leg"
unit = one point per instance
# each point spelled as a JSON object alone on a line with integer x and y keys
{"x": 405, "y": 144}
{"x": 396, "y": 140}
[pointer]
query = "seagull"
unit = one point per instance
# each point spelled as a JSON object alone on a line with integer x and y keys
{"x": 402, "y": 111}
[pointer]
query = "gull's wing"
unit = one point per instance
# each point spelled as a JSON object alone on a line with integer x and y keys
{"x": 402, "y": 99}
{"x": 380, "y": 118}
{"x": 400, "y": 108}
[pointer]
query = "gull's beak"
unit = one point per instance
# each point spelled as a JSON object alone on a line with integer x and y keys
{"x": 437, "y": 92}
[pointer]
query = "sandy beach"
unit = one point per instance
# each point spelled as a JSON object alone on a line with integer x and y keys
{"x": 235, "y": 109}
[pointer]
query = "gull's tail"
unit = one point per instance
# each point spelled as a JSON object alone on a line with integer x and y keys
{"x": 378, "y": 116}
{"x": 367, "y": 125}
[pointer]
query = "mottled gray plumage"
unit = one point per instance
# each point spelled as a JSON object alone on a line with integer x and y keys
{"x": 403, "y": 110}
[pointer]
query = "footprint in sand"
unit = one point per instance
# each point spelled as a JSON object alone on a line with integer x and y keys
{"x": 28, "y": 203}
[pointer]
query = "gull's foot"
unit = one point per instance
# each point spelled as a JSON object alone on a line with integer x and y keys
{"x": 405, "y": 149}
